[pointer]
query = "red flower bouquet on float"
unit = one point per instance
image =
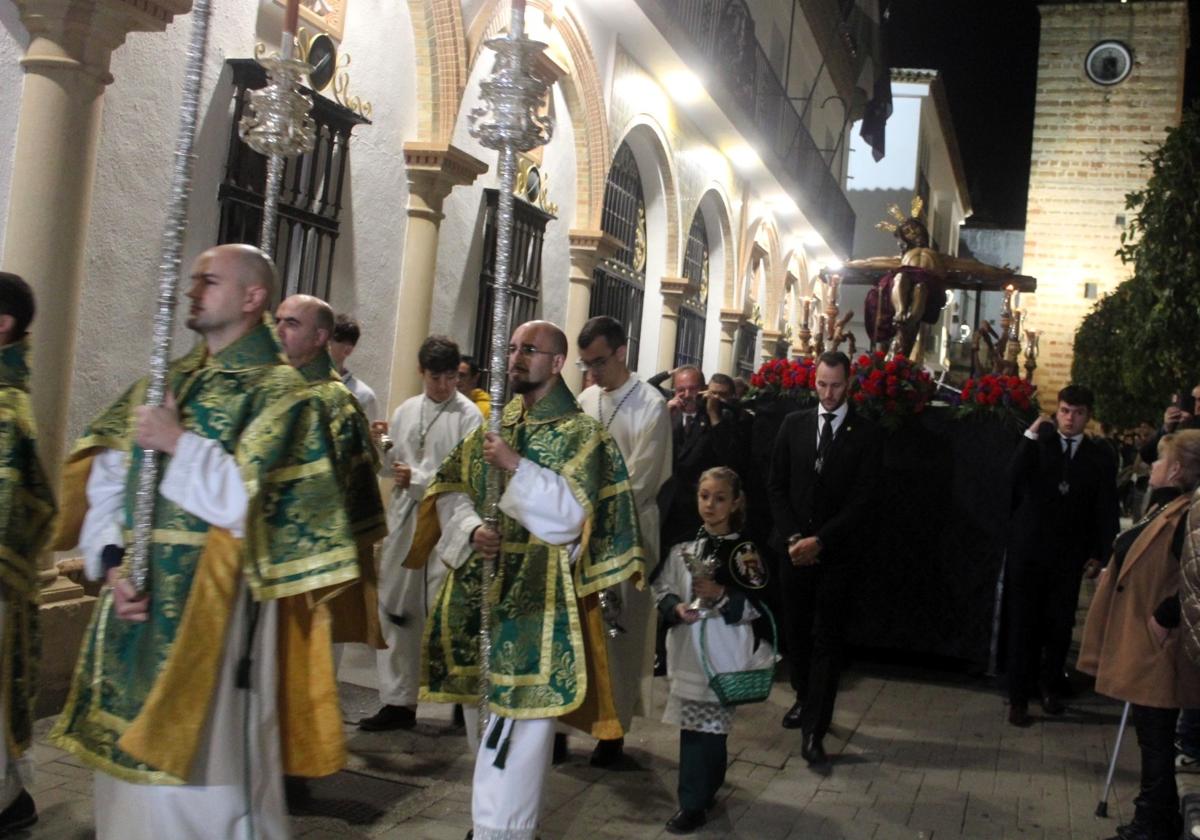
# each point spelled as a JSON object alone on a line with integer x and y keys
{"x": 789, "y": 379}
{"x": 889, "y": 390}
{"x": 1008, "y": 398}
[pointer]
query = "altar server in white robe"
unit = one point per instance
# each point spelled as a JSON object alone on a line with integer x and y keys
{"x": 636, "y": 416}
{"x": 423, "y": 431}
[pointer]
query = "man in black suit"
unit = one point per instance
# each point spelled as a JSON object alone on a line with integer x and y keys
{"x": 823, "y": 474}
{"x": 1064, "y": 519}
{"x": 704, "y": 434}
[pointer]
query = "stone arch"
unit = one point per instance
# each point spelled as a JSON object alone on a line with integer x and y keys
{"x": 441, "y": 57}
{"x": 717, "y": 216}
{"x": 761, "y": 227}
{"x": 581, "y": 90}
{"x": 652, "y": 151}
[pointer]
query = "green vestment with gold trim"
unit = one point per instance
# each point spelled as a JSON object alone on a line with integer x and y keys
{"x": 26, "y": 511}
{"x": 538, "y": 661}
{"x": 297, "y": 538}
{"x": 355, "y": 459}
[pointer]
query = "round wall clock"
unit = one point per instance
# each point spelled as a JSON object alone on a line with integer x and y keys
{"x": 1108, "y": 63}
{"x": 322, "y": 57}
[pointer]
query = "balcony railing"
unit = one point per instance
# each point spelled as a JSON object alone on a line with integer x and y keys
{"x": 721, "y": 35}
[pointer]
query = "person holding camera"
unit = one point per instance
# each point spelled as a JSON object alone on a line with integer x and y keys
{"x": 1064, "y": 518}
{"x": 1182, "y": 413}
{"x": 704, "y": 434}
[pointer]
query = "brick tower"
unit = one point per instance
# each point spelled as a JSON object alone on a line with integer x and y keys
{"x": 1110, "y": 82}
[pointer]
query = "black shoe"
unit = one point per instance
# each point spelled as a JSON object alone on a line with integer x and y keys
{"x": 22, "y": 813}
{"x": 1018, "y": 714}
{"x": 560, "y": 753}
{"x": 607, "y": 753}
{"x": 460, "y": 720}
{"x": 685, "y": 822}
{"x": 296, "y": 794}
{"x": 388, "y": 718}
{"x": 812, "y": 750}
{"x": 1052, "y": 704}
{"x": 792, "y": 719}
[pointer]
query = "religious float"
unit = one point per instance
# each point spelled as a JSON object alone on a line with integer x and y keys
{"x": 930, "y": 584}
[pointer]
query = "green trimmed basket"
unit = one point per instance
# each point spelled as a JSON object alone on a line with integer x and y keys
{"x": 737, "y": 688}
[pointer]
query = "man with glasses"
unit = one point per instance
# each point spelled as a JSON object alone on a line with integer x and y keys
{"x": 635, "y": 414}
{"x": 1182, "y": 413}
{"x": 424, "y": 429}
{"x": 567, "y": 530}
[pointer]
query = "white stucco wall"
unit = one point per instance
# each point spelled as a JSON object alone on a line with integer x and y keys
{"x": 133, "y": 180}
{"x": 460, "y": 246}
{"x": 13, "y": 41}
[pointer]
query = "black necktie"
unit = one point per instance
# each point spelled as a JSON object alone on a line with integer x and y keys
{"x": 1065, "y": 485}
{"x": 826, "y": 439}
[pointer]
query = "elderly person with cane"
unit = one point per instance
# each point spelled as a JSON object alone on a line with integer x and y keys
{"x": 1131, "y": 641}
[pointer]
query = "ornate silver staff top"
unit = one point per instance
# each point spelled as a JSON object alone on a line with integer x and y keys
{"x": 510, "y": 122}
{"x": 168, "y": 278}
{"x": 278, "y": 126}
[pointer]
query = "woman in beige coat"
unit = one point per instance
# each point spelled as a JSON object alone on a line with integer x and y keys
{"x": 1131, "y": 639}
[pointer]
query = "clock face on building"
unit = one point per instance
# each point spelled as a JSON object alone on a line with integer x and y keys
{"x": 322, "y": 56}
{"x": 1108, "y": 63}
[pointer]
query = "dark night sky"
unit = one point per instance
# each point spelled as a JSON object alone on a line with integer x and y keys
{"x": 987, "y": 52}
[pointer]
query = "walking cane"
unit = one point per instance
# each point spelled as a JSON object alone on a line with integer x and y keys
{"x": 1102, "y": 806}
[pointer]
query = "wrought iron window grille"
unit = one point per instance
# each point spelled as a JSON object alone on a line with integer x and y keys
{"x": 689, "y": 335}
{"x": 310, "y": 198}
{"x": 619, "y": 282}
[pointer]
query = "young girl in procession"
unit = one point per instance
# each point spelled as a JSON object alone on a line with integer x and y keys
{"x": 714, "y": 582}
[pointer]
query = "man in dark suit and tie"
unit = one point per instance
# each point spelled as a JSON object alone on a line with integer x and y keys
{"x": 823, "y": 474}
{"x": 1065, "y": 516}
{"x": 704, "y": 434}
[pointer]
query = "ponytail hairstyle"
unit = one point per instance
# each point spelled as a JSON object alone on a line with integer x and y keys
{"x": 737, "y": 516}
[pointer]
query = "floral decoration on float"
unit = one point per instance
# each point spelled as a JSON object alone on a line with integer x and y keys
{"x": 1010, "y": 399}
{"x": 889, "y": 390}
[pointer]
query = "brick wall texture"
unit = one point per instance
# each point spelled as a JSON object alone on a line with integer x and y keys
{"x": 1089, "y": 146}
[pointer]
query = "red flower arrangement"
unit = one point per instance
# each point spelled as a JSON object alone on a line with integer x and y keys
{"x": 784, "y": 378}
{"x": 889, "y": 389}
{"x": 1006, "y": 397}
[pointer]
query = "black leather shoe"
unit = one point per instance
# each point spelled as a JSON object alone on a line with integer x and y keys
{"x": 792, "y": 719}
{"x": 560, "y": 753}
{"x": 1018, "y": 714}
{"x": 22, "y": 813}
{"x": 296, "y": 794}
{"x": 389, "y": 718}
{"x": 607, "y": 753}
{"x": 459, "y": 721}
{"x": 1052, "y": 704}
{"x": 685, "y": 822}
{"x": 812, "y": 750}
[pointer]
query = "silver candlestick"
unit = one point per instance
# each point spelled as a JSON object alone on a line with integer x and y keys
{"x": 171, "y": 257}
{"x": 509, "y": 121}
{"x": 277, "y": 125}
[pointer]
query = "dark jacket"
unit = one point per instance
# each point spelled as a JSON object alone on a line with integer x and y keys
{"x": 833, "y": 504}
{"x": 695, "y": 451}
{"x": 1055, "y": 529}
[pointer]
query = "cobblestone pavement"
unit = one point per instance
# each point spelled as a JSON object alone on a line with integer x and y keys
{"x": 918, "y": 755}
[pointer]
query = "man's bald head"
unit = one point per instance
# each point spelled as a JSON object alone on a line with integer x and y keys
{"x": 549, "y": 333}
{"x": 305, "y": 325}
{"x": 251, "y": 266}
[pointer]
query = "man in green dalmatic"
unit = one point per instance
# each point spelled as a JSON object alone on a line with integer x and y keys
{"x": 26, "y": 511}
{"x": 567, "y": 529}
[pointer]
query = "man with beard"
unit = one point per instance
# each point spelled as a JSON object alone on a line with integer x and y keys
{"x": 636, "y": 416}
{"x": 193, "y": 698}
{"x": 567, "y": 529}
{"x": 823, "y": 475}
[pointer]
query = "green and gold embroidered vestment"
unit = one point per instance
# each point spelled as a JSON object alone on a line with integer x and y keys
{"x": 297, "y": 540}
{"x": 355, "y": 460}
{"x": 538, "y": 662}
{"x": 26, "y": 510}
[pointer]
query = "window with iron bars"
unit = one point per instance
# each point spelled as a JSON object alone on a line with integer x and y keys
{"x": 310, "y": 195}
{"x": 747, "y": 339}
{"x": 525, "y": 292}
{"x": 619, "y": 282}
{"x": 689, "y": 337}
